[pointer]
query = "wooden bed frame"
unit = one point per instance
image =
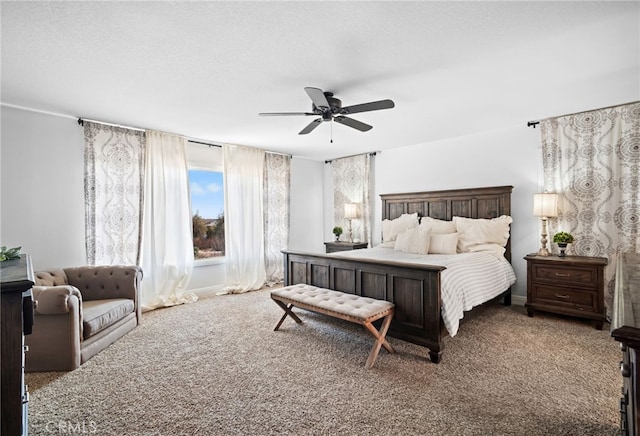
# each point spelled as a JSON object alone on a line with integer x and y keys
{"x": 415, "y": 289}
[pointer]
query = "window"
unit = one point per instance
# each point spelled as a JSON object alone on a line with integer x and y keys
{"x": 206, "y": 180}
{"x": 207, "y": 213}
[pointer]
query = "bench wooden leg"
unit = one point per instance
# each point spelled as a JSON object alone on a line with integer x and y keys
{"x": 287, "y": 312}
{"x": 380, "y": 340}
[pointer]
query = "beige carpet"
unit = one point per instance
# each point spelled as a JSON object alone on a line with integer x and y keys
{"x": 216, "y": 367}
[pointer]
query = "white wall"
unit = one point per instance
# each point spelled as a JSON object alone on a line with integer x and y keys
{"x": 307, "y": 202}
{"x": 42, "y": 196}
{"x": 511, "y": 156}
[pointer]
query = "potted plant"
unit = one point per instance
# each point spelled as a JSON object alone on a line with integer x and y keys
{"x": 9, "y": 253}
{"x": 337, "y": 230}
{"x": 562, "y": 239}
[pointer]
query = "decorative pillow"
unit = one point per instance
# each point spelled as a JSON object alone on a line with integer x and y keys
{"x": 482, "y": 231}
{"x": 443, "y": 243}
{"x": 414, "y": 241}
{"x": 437, "y": 226}
{"x": 391, "y": 228}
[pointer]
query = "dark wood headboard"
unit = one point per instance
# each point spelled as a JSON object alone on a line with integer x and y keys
{"x": 490, "y": 202}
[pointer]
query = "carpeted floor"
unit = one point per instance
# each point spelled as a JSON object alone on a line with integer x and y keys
{"x": 216, "y": 367}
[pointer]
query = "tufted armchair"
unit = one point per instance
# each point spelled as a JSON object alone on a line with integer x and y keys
{"x": 79, "y": 312}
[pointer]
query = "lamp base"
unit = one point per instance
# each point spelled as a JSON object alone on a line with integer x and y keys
{"x": 543, "y": 252}
{"x": 543, "y": 240}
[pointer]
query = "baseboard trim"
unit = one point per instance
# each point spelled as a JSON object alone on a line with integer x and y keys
{"x": 209, "y": 291}
{"x": 518, "y": 300}
{"x": 212, "y": 291}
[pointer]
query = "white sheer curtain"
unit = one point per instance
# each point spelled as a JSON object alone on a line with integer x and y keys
{"x": 167, "y": 244}
{"x": 277, "y": 176}
{"x": 113, "y": 189}
{"x": 592, "y": 159}
{"x": 244, "y": 227}
{"x": 352, "y": 184}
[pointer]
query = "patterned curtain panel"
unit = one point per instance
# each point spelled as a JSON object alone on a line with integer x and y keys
{"x": 113, "y": 187}
{"x": 593, "y": 160}
{"x": 277, "y": 175}
{"x": 352, "y": 184}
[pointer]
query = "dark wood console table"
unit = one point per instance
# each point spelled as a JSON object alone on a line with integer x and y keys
{"x": 17, "y": 319}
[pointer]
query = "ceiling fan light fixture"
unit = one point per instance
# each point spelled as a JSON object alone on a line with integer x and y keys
{"x": 329, "y": 108}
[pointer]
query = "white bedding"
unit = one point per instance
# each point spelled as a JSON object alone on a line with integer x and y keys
{"x": 469, "y": 279}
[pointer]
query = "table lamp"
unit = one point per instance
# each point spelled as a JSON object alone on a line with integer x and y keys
{"x": 545, "y": 205}
{"x": 350, "y": 213}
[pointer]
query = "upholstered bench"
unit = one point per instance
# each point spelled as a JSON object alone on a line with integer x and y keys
{"x": 354, "y": 308}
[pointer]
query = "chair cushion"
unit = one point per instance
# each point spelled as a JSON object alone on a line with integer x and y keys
{"x": 100, "y": 314}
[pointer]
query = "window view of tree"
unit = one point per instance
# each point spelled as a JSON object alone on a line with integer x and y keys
{"x": 207, "y": 206}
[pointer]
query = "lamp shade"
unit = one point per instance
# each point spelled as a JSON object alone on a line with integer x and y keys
{"x": 545, "y": 204}
{"x": 351, "y": 210}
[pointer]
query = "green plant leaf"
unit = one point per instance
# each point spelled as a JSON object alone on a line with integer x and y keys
{"x": 9, "y": 254}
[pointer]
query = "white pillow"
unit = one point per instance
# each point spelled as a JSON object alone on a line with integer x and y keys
{"x": 414, "y": 241}
{"x": 443, "y": 243}
{"x": 391, "y": 228}
{"x": 482, "y": 231}
{"x": 437, "y": 226}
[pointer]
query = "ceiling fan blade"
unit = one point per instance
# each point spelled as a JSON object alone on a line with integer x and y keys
{"x": 366, "y": 107}
{"x": 317, "y": 97}
{"x": 312, "y": 125}
{"x": 284, "y": 114}
{"x": 352, "y": 123}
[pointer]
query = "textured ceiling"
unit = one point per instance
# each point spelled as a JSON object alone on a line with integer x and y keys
{"x": 205, "y": 69}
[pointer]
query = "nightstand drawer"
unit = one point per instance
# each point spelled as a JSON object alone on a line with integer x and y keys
{"x": 565, "y": 297}
{"x": 574, "y": 275}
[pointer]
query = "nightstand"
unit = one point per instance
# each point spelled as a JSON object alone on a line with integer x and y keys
{"x": 332, "y": 247}
{"x": 570, "y": 285}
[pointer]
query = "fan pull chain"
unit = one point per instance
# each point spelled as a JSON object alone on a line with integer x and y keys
{"x": 331, "y": 131}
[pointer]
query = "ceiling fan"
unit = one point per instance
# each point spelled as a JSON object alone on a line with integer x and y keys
{"x": 329, "y": 108}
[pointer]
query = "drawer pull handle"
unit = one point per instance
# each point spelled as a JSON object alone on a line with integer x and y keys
{"x": 624, "y": 369}
{"x": 564, "y": 297}
{"x": 563, "y": 274}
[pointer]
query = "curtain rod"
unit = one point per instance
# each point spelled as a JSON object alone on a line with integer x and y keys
{"x": 535, "y": 123}
{"x": 82, "y": 120}
{"x": 204, "y": 143}
{"x": 219, "y": 145}
{"x": 194, "y": 141}
{"x": 373, "y": 153}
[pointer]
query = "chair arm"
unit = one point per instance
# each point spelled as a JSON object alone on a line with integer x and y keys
{"x": 55, "y": 343}
{"x": 56, "y": 300}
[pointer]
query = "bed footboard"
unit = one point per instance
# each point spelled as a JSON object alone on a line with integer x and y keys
{"x": 414, "y": 289}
